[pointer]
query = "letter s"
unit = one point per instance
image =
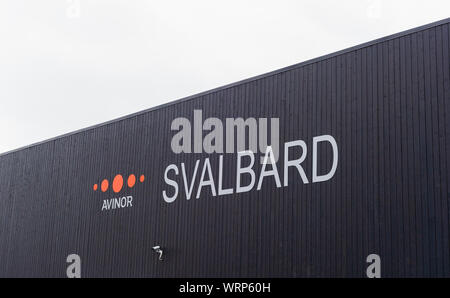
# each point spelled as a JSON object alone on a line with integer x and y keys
{"x": 172, "y": 183}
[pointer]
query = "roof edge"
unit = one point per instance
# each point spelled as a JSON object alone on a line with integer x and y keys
{"x": 247, "y": 80}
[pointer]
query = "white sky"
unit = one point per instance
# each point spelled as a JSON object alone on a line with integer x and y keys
{"x": 69, "y": 64}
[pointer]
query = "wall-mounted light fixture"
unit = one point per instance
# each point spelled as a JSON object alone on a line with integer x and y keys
{"x": 158, "y": 250}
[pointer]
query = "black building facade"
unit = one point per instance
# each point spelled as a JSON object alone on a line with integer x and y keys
{"x": 386, "y": 104}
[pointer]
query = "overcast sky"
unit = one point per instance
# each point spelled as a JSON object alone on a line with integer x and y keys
{"x": 69, "y": 64}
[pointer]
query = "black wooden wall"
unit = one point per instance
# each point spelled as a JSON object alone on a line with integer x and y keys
{"x": 387, "y": 103}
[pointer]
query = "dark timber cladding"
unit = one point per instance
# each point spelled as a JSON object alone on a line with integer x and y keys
{"x": 387, "y": 105}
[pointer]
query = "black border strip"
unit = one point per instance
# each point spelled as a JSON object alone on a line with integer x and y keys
{"x": 271, "y": 73}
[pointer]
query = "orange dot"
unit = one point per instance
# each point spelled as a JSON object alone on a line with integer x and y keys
{"x": 131, "y": 180}
{"x": 117, "y": 183}
{"x": 95, "y": 186}
{"x": 142, "y": 178}
{"x": 104, "y": 185}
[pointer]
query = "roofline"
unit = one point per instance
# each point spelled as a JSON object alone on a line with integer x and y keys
{"x": 254, "y": 78}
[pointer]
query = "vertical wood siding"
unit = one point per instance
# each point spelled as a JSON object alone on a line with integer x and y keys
{"x": 388, "y": 106}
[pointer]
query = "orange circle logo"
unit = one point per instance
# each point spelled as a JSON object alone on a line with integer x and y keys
{"x": 131, "y": 180}
{"x": 104, "y": 185}
{"x": 117, "y": 183}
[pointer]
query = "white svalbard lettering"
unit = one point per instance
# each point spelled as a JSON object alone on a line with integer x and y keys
{"x": 116, "y": 203}
{"x": 245, "y": 167}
